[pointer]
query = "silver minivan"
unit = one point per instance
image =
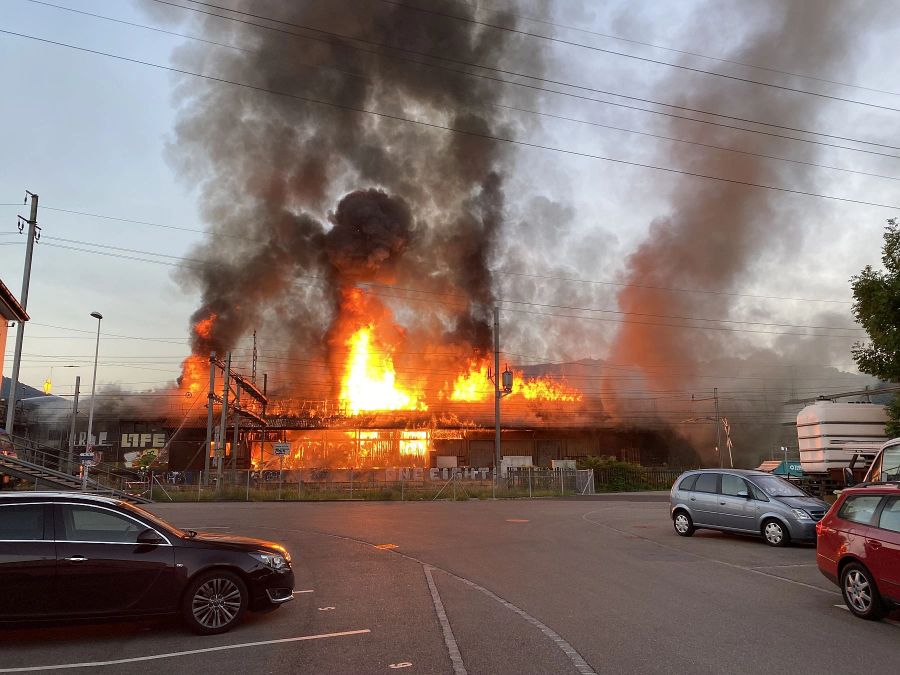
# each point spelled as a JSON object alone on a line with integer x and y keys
{"x": 747, "y": 502}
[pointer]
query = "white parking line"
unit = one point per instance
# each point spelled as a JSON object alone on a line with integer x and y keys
{"x": 753, "y": 570}
{"x": 170, "y": 655}
{"x": 299, "y": 592}
{"x": 459, "y": 667}
{"x": 581, "y": 665}
{"x": 890, "y": 621}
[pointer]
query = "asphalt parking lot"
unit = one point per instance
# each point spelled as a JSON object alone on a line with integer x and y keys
{"x": 544, "y": 586}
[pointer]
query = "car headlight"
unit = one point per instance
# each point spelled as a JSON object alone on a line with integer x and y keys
{"x": 800, "y": 514}
{"x": 274, "y": 561}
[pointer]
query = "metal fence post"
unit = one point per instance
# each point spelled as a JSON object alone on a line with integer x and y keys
{"x": 351, "y": 483}
{"x": 530, "y": 469}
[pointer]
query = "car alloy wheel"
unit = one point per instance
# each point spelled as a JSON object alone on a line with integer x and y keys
{"x": 775, "y": 533}
{"x": 860, "y": 594}
{"x": 215, "y": 602}
{"x": 683, "y": 524}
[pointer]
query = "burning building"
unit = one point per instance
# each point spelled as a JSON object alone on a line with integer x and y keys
{"x": 357, "y": 195}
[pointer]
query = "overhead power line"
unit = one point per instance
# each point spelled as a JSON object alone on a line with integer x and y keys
{"x": 494, "y": 105}
{"x": 668, "y": 288}
{"x": 465, "y": 298}
{"x": 504, "y": 271}
{"x": 434, "y": 125}
{"x": 612, "y": 52}
{"x": 622, "y": 38}
{"x": 434, "y": 57}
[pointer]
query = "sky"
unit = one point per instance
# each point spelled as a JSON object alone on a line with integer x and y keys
{"x": 96, "y": 135}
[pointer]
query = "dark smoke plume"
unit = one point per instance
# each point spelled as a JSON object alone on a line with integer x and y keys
{"x": 716, "y": 232}
{"x": 302, "y": 199}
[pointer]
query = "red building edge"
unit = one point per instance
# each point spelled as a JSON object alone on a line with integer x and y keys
{"x": 10, "y": 310}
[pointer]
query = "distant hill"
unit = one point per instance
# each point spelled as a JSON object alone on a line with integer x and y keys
{"x": 23, "y": 390}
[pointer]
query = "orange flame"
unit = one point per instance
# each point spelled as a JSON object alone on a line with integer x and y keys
{"x": 474, "y": 386}
{"x": 543, "y": 389}
{"x": 369, "y": 381}
{"x": 194, "y": 370}
{"x": 203, "y": 328}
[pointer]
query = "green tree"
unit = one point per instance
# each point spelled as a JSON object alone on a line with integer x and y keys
{"x": 876, "y": 306}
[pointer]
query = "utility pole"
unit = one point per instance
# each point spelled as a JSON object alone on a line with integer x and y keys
{"x": 210, "y": 401}
{"x": 71, "y": 455}
{"x": 33, "y": 236}
{"x": 718, "y": 431}
{"x": 220, "y": 446}
{"x": 89, "y": 444}
{"x": 237, "y": 425}
{"x": 253, "y": 372}
{"x": 498, "y": 456}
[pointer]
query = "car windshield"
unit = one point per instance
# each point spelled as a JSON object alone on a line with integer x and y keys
{"x": 777, "y": 487}
{"x": 154, "y": 520}
{"x": 891, "y": 464}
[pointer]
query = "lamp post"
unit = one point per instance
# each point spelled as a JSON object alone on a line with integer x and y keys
{"x": 88, "y": 445}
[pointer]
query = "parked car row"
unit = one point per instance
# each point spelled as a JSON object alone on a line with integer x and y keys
{"x": 74, "y": 556}
{"x": 857, "y": 538}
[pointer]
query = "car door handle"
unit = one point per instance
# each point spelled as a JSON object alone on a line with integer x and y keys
{"x": 693, "y": 499}
{"x": 875, "y": 545}
{"x": 722, "y": 503}
{"x": 77, "y": 558}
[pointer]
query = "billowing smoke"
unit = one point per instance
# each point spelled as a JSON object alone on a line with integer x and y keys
{"x": 304, "y": 200}
{"x": 370, "y": 231}
{"x": 716, "y": 233}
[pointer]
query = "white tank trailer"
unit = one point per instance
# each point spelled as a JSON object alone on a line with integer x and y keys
{"x": 832, "y": 434}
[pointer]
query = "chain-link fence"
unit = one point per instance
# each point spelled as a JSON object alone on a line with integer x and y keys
{"x": 351, "y": 484}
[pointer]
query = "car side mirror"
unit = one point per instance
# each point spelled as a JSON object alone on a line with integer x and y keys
{"x": 849, "y": 481}
{"x": 744, "y": 494}
{"x": 150, "y": 537}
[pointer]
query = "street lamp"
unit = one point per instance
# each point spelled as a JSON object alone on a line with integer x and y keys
{"x": 88, "y": 444}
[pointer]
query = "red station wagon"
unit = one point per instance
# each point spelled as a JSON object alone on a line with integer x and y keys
{"x": 858, "y": 548}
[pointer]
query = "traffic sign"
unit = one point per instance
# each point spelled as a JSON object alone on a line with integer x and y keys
{"x": 282, "y": 449}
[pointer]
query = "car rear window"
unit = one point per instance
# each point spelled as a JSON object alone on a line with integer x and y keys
{"x": 707, "y": 482}
{"x": 860, "y": 508}
{"x": 21, "y": 522}
{"x": 890, "y": 515}
{"x": 688, "y": 483}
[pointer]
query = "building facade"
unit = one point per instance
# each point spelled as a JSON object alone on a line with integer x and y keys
{"x": 10, "y": 310}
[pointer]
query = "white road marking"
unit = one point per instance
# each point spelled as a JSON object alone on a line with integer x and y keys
{"x": 299, "y": 592}
{"x": 325, "y": 609}
{"x": 753, "y": 570}
{"x": 766, "y": 567}
{"x": 577, "y": 659}
{"x": 402, "y": 664}
{"x": 893, "y": 622}
{"x": 459, "y": 667}
{"x": 170, "y": 655}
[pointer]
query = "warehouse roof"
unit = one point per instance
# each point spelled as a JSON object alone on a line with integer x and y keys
{"x": 10, "y": 308}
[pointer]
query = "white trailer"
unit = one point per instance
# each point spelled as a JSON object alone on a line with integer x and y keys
{"x": 830, "y": 434}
